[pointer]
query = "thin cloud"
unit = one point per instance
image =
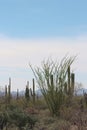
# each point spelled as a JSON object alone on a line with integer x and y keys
{"x": 17, "y": 53}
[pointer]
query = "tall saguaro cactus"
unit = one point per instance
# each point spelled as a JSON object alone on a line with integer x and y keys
{"x": 33, "y": 91}
{"x": 28, "y": 84}
{"x": 5, "y": 91}
{"x": 6, "y": 94}
{"x": 27, "y": 91}
{"x": 72, "y": 82}
{"x": 69, "y": 89}
{"x": 28, "y": 87}
{"x": 9, "y": 90}
{"x": 31, "y": 94}
{"x": 17, "y": 94}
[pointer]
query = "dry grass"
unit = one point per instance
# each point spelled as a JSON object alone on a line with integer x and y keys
{"x": 72, "y": 117}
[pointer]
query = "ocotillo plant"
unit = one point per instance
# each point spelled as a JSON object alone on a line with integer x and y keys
{"x": 9, "y": 90}
{"x": 33, "y": 91}
{"x": 52, "y": 80}
{"x": 52, "y": 86}
{"x": 47, "y": 82}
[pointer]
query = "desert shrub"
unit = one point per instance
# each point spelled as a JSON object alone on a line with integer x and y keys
{"x": 52, "y": 124}
{"x": 48, "y": 120}
{"x": 67, "y": 113}
{"x": 17, "y": 117}
{"x": 21, "y": 119}
{"x": 3, "y": 120}
{"x": 71, "y": 111}
{"x": 40, "y": 104}
{"x": 60, "y": 125}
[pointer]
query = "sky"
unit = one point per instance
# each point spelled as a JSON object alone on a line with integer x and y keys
{"x": 33, "y": 30}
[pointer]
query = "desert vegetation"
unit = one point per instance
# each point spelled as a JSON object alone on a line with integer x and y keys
{"x": 57, "y": 108}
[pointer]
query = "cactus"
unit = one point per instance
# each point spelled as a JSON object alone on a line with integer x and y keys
{"x": 27, "y": 92}
{"x": 17, "y": 94}
{"x": 9, "y": 90}
{"x": 28, "y": 84}
{"x": 5, "y": 91}
{"x": 69, "y": 88}
{"x": 33, "y": 91}
{"x": 30, "y": 90}
{"x": 6, "y": 94}
{"x": 72, "y": 82}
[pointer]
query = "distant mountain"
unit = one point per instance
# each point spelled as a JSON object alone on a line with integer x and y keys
{"x": 38, "y": 92}
{"x": 21, "y": 93}
{"x": 81, "y": 91}
{"x": 78, "y": 92}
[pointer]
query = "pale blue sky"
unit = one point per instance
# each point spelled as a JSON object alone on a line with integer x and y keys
{"x": 31, "y": 30}
{"x": 43, "y": 18}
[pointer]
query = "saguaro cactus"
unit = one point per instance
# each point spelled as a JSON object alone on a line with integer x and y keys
{"x": 31, "y": 94}
{"x": 69, "y": 89}
{"x": 6, "y": 94}
{"x": 33, "y": 91}
{"x": 28, "y": 84}
{"x": 17, "y": 94}
{"x": 9, "y": 90}
{"x": 28, "y": 88}
{"x": 5, "y": 91}
{"x": 27, "y": 91}
{"x": 72, "y": 82}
